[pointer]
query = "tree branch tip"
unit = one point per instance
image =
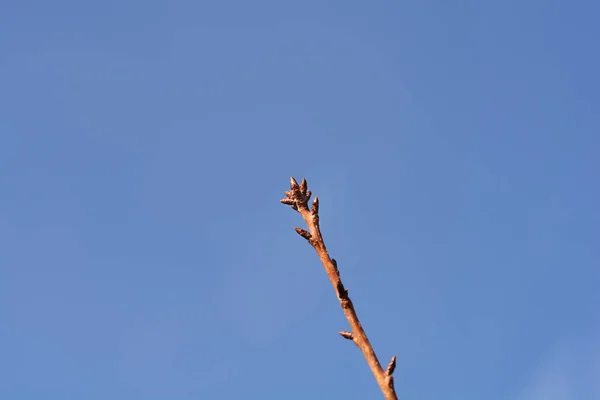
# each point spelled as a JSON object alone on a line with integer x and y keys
{"x": 347, "y": 335}
{"x": 391, "y": 366}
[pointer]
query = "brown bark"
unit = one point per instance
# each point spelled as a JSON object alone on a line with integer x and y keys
{"x": 297, "y": 198}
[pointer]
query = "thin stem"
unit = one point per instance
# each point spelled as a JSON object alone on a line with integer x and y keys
{"x": 298, "y": 198}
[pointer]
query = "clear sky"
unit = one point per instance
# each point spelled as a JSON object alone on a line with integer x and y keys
{"x": 144, "y": 147}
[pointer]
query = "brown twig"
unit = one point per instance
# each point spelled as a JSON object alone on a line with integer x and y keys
{"x": 297, "y": 198}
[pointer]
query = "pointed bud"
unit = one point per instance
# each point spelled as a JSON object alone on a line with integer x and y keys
{"x": 391, "y": 367}
{"x": 288, "y": 202}
{"x": 347, "y": 335}
{"x": 305, "y": 234}
{"x": 315, "y": 206}
{"x": 303, "y": 186}
{"x": 293, "y": 184}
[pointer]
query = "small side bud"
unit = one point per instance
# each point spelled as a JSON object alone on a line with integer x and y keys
{"x": 315, "y": 206}
{"x": 347, "y": 335}
{"x": 341, "y": 290}
{"x": 391, "y": 366}
{"x": 288, "y": 202}
{"x": 305, "y": 234}
{"x": 334, "y": 262}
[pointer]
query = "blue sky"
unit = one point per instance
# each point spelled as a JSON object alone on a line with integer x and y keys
{"x": 144, "y": 147}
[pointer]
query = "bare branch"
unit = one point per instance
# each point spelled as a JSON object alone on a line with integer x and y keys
{"x": 297, "y": 198}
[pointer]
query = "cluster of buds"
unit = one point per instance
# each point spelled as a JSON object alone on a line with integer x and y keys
{"x": 299, "y": 195}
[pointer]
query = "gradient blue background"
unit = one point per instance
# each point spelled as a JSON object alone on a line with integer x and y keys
{"x": 144, "y": 147}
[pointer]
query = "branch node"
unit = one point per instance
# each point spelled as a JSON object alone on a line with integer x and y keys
{"x": 391, "y": 366}
{"x": 335, "y": 267}
{"x": 390, "y": 382}
{"x": 341, "y": 290}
